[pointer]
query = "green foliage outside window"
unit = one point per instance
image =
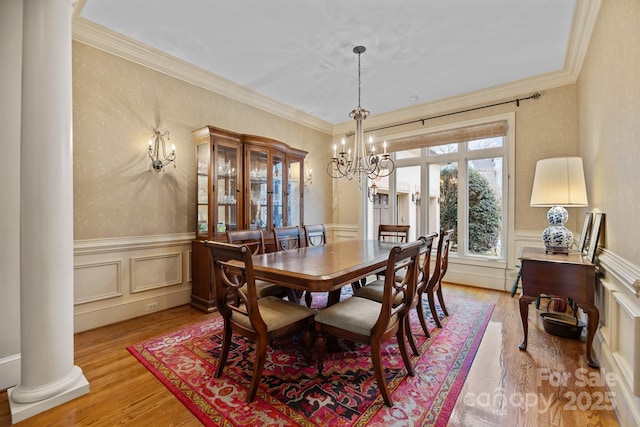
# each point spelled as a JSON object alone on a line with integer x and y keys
{"x": 484, "y": 211}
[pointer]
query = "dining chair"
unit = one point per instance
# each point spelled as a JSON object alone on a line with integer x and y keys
{"x": 260, "y": 319}
{"x": 315, "y": 234}
{"x": 254, "y": 240}
{"x": 393, "y": 233}
{"x": 373, "y": 323}
{"x": 434, "y": 287}
{"x": 386, "y": 233}
{"x": 287, "y": 238}
{"x": 375, "y": 289}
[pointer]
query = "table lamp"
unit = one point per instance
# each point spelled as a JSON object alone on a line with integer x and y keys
{"x": 558, "y": 183}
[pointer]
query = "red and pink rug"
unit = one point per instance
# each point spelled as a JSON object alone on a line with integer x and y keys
{"x": 292, "y": 393}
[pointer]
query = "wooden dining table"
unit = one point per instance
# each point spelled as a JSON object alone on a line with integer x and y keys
{"x": 324, "y": 268}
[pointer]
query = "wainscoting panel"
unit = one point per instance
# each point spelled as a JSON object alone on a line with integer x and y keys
{"x": 627, "y": 344}
{"x": 343, "y": 232}
{"x": 606, "y": 302}
{"x": 617, "y": 343}
{"x": 119, "y": 279}
{"x": 97, "y": 281}
{"x": 155, "y": 271}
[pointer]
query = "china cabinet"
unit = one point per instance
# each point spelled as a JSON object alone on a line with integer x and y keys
{"x": 243, "y": 182}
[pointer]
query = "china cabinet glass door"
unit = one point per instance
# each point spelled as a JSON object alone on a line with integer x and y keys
{"x": 278, "y": 190}
{"x": 258, "y": 189}
{"x": 202, "y": 154}
{"x": 227, "y": 188}
{"x": 293, "y": 192}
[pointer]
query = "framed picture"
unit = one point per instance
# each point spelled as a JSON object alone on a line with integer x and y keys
{"x": 586, "y": 227}
{"x": 596, "y": 225}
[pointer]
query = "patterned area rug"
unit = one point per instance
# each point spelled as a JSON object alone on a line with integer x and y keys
{"x": 291, "y": 393}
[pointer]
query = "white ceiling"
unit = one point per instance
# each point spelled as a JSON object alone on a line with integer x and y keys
{"x": 300, "y": 53}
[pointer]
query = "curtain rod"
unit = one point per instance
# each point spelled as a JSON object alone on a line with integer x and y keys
{"x": 536, "y": 95}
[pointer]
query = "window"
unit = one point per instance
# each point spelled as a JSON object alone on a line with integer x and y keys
{"x": 455, "y": 178}
{"x": 470, "y": 201}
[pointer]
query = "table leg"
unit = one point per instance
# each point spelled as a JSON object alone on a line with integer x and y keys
{"x": 592, "y": 325}
{"x": 524, "y": 315}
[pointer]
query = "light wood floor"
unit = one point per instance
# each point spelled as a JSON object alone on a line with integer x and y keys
{"x": 505, "y": 387}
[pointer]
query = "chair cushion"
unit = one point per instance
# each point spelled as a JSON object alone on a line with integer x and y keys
{"x": 266, "y": 289}
{"x": 375, "y": 290}
{"x": 355, "y": 314}
{"x": 276, "y": 313}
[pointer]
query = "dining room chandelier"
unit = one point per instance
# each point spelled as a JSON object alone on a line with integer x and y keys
{"x": 362, "y": 160}
{"x": 157, "y": 151}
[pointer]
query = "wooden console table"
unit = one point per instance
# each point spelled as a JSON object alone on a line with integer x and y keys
{"x": 569, "y": 275}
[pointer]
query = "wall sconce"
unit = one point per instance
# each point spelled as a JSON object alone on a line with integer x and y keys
{"x": 558, "y": 182}
{"x": 307, "y": 173}
{"x": 372, "y": 192}
{"x": 157, "y": 151}
{"x": 415, "y": 197}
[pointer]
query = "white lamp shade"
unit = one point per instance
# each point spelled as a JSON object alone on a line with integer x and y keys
{"x": 559, "y": 181}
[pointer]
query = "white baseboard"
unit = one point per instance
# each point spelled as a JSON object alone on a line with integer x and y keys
{"x": 9, "y": 371}
{"x": 102, "y": 315}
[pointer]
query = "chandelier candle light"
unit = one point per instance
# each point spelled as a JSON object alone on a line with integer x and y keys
{"x": 558, "y": 183}
{"x": 157, "y": 151}
{"x": 361, "y": 160}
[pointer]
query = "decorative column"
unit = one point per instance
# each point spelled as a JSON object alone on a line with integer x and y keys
{"x": 48, "y": 374}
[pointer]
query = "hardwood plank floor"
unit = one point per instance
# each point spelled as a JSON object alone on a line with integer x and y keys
{"x": 505, "y": 386}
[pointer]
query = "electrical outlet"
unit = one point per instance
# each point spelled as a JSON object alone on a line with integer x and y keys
{"x": 153, "y": 306}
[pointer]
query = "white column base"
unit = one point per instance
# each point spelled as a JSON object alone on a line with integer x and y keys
{"x": 22, "y": 411}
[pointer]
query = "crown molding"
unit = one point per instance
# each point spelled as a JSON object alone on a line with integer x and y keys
{"x": 584, "y": 20}
{"x": 94, "y": 35}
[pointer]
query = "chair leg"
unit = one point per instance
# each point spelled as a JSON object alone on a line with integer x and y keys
{"x": 307, "y": 337}
{"x": 410, "y": 337}
{"x": 434, "y": 312}
{"x": 224, "y": 350}
{"x": 403, "y": 351}
{"x": 321, "y": 347}
{"x": 441, "y": 299}
{"x": 258, "y": 366}
{"x": 422, "y": 317}
{"x": 378, "y": 369}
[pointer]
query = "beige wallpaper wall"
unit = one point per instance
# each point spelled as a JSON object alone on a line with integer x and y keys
{"x": 544, "y": 128}
{"x": 116, "y": 105}
{"x": 609, "y": 124}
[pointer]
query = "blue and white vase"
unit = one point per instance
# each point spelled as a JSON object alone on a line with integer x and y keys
{"x": 557, "y": 236}
{"x": 557, "y": 215}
